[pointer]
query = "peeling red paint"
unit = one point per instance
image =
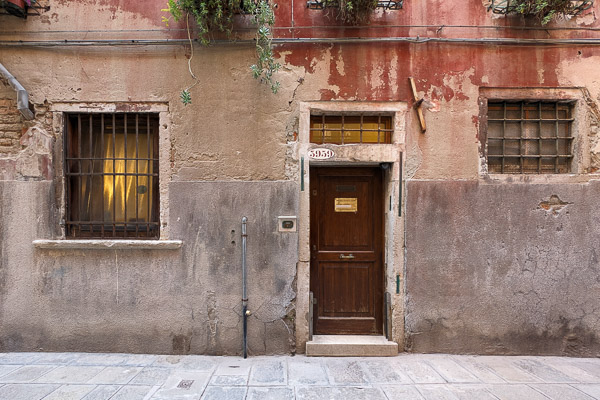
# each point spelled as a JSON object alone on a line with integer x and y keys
{"x": 45, "y": 166}
{"x": 149, "y": 10}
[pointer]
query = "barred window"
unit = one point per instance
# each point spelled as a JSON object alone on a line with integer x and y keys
{"x": 346, "y": 129}
{"x": 111, "y": 174}
{"x": 529, "y": 137}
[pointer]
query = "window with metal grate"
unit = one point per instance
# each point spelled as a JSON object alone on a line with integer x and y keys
{"x": 529, "y": 137}
{"x": 111, "y": 175}
{"x": 347, "y": 129}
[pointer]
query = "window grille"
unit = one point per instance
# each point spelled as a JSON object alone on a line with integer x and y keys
{"x": 576, "y": 7}
{"x": 111, "y": 174}
{"x": 385, "y": 4}
{"x": 529, "y": 137}
{"x": 347, "y": 129}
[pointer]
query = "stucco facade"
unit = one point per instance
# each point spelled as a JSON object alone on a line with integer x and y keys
{"x": 475, "y": 262}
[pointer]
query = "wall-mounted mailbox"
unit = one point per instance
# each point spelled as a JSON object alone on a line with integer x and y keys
{"x": 286, "y": 224}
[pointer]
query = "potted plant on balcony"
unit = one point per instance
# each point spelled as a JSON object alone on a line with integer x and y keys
{"x": 17, "y": 7}
{"x": 217, "y": 16}
{"x": 354, "y": 12}
{"x": 543, "y": 10}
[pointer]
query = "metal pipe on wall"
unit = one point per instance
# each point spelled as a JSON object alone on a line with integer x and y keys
{"x": 276, "y": 41}
{"x": 22, "y": 95}
{"x": 245, "y": 312}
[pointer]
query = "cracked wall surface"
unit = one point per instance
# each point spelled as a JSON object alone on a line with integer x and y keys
{"x": 503, "y": 269}
{"x": 153, "y": 301}
{"x": 235, "y": 151}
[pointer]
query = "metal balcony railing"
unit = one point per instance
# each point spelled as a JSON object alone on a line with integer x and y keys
{"x": 510, "y": 6}
{"x": 385, "y": 4}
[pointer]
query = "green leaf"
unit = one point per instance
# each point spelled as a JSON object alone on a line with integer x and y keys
{"x": 186, "y": 97}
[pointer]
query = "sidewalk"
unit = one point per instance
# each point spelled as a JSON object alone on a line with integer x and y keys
{"x": 63, "y": 376}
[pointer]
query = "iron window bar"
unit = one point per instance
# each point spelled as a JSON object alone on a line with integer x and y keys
{"x": 385, "y": 4}
{"x": 321, "y": 131}
{"x": 98, "y": 180}
{"x": 538, "y": 141}
{"x": 510, "y": 6}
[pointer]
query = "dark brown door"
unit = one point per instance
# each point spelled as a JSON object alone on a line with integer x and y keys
{"x": 347, "y": 250}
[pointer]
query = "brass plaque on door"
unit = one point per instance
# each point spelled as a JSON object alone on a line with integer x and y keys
{"x": 346, "y": 204}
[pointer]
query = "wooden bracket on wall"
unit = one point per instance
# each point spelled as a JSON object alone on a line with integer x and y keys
{"x": 418, "y": 104}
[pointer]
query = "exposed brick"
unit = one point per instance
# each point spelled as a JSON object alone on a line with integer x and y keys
{"x": 11, "y": 127}
{"x": 10, "y": 134}
{"x": 10, "y": 118}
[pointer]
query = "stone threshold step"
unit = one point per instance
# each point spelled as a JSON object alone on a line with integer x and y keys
{"x": 351, "y": 346}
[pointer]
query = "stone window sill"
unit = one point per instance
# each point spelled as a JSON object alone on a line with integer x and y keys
{"x": 108, "y": 244}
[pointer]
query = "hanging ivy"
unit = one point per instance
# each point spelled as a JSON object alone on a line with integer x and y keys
{"x": 217, "y": 16}
{"x": 543, "y": 10}
{"x": 355, "y": 12}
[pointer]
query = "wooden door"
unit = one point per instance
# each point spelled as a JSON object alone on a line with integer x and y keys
{"x": 347, "y": 250}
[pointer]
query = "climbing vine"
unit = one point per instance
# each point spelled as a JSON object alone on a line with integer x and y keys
{"x": 217, "y": 16}
{"x": 543, "y": 10}
{"x": 355, "y": 12}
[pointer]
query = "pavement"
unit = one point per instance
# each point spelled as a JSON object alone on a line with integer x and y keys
{"x": 93, "y": 376}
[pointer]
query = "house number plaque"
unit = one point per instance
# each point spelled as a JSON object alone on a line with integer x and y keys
{"x": 346, "y": 204}
{"x": 320, "y": 154}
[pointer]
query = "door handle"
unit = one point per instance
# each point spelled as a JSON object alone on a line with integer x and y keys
{"x": 348, "y": 257}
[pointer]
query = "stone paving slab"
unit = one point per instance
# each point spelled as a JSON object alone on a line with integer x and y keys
{"x": 513, "y": 392}
{"x": 571, "y": 370}
{"x": 505, "y": 368}
{"x": 545, "y": 372}
{"x": 229, "y": 380}
{"x": 70, "y": 374}
{"x": 304, "y": 371}
{"x": 468, "y": 392}
{"x": 151, "y": 376}
{"x": 564, "y": 392}
{"x": 346, "y": 372}
{"x": 27, "y": 373}
{"x": 402, "y": 392}
{"x": 224, "y": 393}
{"x": 78, "y": 376}
{"x": 268, "y": 373}
{"x": 592, "y": 390}
{"x": 132, "y": 393}
{"x": 26, "y": 392}
{"x": 380, "y": 372}
{"x": 270, "y": 393}
{"x": 340, "y": 393}
{"x": 419, "y": 371}
{"x": 6, "y": 369}
{"x": 477, "y": 369}
{"x": 70, "y": 392}
{"x": 182, "y": 384}
{"x": 451, "y": 371}
{"x": 115, "y": 375}
{"x": 102, "y": 392}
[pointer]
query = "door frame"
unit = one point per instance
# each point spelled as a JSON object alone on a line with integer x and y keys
{"x": 378, "y": 251}
{"x": 389, "y": 155}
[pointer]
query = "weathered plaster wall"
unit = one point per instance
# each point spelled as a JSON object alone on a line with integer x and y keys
{"x": 152, "y": 301}
{"x": 237, "y": 134}
{"x": 502, "y": 269}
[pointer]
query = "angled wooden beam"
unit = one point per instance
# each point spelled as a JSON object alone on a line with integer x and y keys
{"x": 418, "y": 105}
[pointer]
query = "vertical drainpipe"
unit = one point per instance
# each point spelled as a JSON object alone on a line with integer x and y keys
{"x": 22, "y": 95}
{"x": 245, "y": 312}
